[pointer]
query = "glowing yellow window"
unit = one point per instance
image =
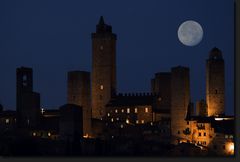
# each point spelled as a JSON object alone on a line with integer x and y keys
{"x": 127, "y": 121}
{"x": 34, "y": 134}
{"x": 128, "y": 110}
{"x": 142, "y": 121}
{"x": 101, "y": 87}
{"x": 112, "y": 120}
{"x": 146, "y": 109}
{"x": 116, "y": 111}
{"x": 122, "y": 110}
{"x": 135, "y": 110}
{"x": 137, "y": 122}
{"x": 108, "y": 114}
{"x": 49, "y": 134}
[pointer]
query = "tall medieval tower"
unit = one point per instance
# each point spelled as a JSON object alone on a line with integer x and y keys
{"x": 215, "y": 83}
{"x": 103, "y": 68}
{"x": 180, "y": 100}
{"x": 79, "y": 94}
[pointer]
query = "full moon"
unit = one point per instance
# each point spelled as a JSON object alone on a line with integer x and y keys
{"x": 190, "y": 33}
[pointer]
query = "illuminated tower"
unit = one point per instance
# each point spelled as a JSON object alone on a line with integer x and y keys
{"x": 103, "y": 68}
{"x": 79, "y": 93}
{"x": 215, "y": 83}
{"x": 180, "y": 100}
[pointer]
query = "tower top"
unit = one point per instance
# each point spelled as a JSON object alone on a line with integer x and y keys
{"x": 215, "y": 54}
{"x": 102, "y": 27}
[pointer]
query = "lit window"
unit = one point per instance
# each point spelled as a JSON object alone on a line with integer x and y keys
{"x": 116, "y": 111}
{"x": 142, "y": 121}
{"x": 127, "y": 121}
{"x": 122, "y": 110}
{"x": 128, "y": 110}
{"x": 117, "y": 118}
{"x": 42, "y": 110}
{"x": 101, "y": 87}
{"x": 226, "y": 136}
{"x": 146, "y": 110}
{"x": 151, "y": 123}
{"x": 121, "y": 126}
{"x": 108, "y": 114}
{"x": 34, "y": 134}
{"x": 49, "y": 134}
{"x": 137, "y": 122}
{"x": 112, "y": 120}
{"x": 135, "y": 110}
{"x": 7, "y": 121}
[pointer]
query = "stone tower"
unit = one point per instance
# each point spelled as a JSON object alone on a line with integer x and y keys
{"x": 28, "y": 102}
{"x": 215, "y": 83}
{"x": 161, "y": 85}
{"x": 180, "y": 100}
{"x": 103, "y": 68}
{"x": 79, "y": 93}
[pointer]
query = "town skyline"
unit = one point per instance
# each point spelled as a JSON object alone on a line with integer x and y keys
{"x": 144, "y": 68}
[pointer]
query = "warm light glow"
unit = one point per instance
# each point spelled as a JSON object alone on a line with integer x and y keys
{"x": 112, "y": 120}
{"x": 85, "y": 136}
{"x": 146, "y": 109}
{"x": 116, "y": 111}
{"x": 121, "y": 126}
{"x": 101, "y": 87}
{"x": 142, "y": 121}
{"x": 34, "y": 134}
{"x": 108, "y": 114}
{"x": 230, "y": 147}
{"x": 117, "y": 118}
{"x": 137, "y": 121}
{"x": 151, "y": 123}
{"x": 128, "y": 110}
{"x": 122, "y": 110}
{"x": 127, "y": 121}
{"x": 135, "y": 110}
{"x": 7, "y": 121}
{"x": 49, "y": 134}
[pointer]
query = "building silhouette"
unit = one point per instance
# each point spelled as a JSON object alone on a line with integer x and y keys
{"x": 96, "y": 120}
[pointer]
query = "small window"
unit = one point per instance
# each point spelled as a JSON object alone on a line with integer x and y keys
{"x": 121, "y": 126}
{"x": 34, "y": 134}
{"x": 101, "y": 87}
{"x": 216, "y": 91}
{"x": 122, "y": 110}
{"x": 199, "y": 134}
{"x": 204, "y": 134}
{"x": 117, "y": 118}
{"x": 137, "y": 122}
{"x": 116, "y": 111}
{"x": 112, "y": 120}
{"x": 49, "y": 134}
{"x": 7, "y": 121}
{"x": 146, "y": 109}
{"x": 128, "y": 110}
{"x": 187, "y": 122}
{"x": 142, "y": 121}
{"x": 127, "y": 121}
{"x": 108, "y": 114}
{"x": 135, "y": 110}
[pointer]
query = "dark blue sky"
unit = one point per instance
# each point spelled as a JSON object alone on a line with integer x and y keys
{"x": 54, "y": 37}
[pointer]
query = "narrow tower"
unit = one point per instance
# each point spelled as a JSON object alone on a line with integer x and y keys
{"x": 103, "y": 68}
{"x": 28, "y": 102}
{"x": 79, "y": 94}
{"x": 215, "y": 83}
{"x": 180, "y": 100}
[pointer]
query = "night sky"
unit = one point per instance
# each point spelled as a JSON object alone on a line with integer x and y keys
{"x": 54, "y": 37}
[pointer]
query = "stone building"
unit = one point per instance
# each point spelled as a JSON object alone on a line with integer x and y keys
{"x": 215, "y": 83}
{"x": 28, "y": 102}
{"x": 103, "y": 68}
{"x": 79, "y": 93}
{"x": 180, "y": 100}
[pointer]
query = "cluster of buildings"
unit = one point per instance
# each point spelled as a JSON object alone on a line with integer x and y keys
{"x": 96, "y": 111}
